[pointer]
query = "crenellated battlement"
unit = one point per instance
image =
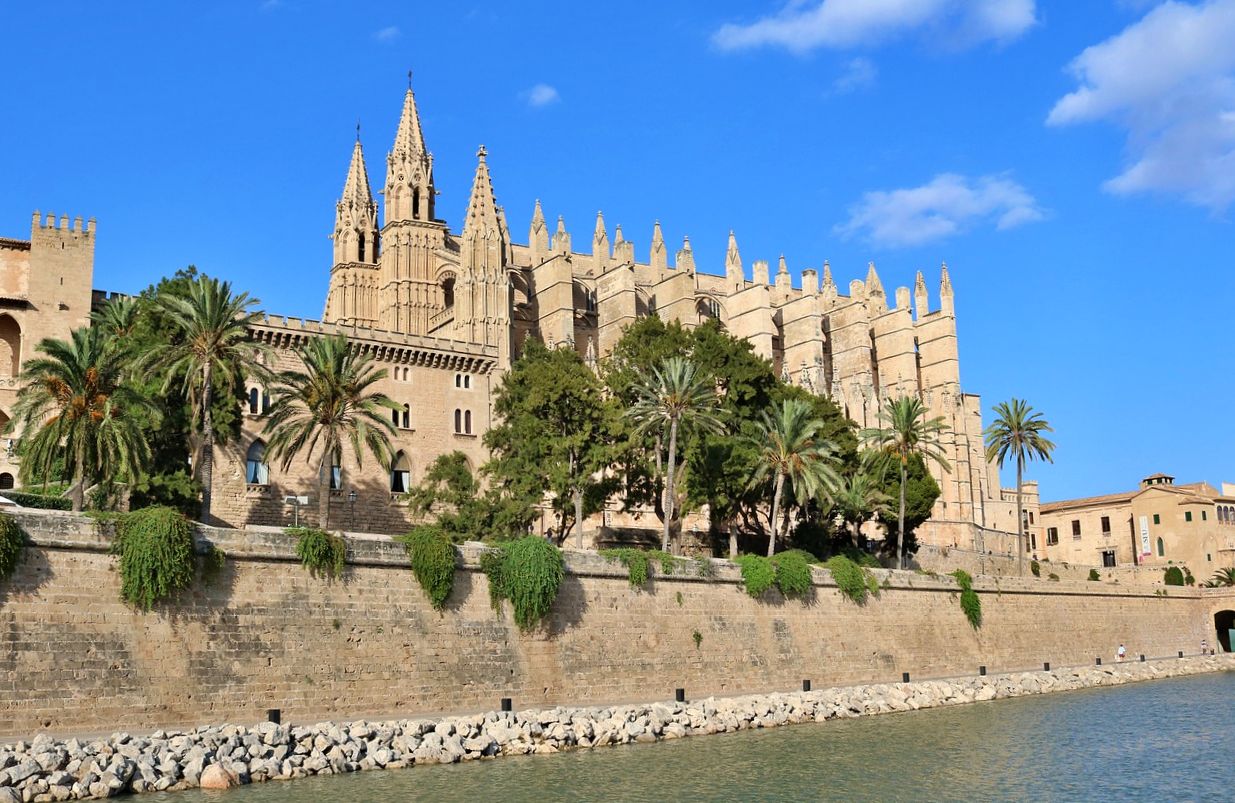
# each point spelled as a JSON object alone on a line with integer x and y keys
{"x": 39, "y": 223}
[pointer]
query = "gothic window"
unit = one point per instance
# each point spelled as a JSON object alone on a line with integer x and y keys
{"x": 407, "y": 417}
{"x": 448, "y": 292}
{"x": 400, "y": 474}
{"x": 10, "y": 346}
{"x": 253, "y": 401}
{"x": 1161, "y": 548}
{"x": 6, "y": 481}
{"x": 416, "y": 203}
{"x": 256, "y": 472}
{"x": 360, "y": 258}
{"x": 467, "y": 422}
{"x": 458, "y": 421}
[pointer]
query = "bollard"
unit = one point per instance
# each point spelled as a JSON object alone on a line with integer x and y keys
{"x": 904, "y": 677}
{"x": 1046, "y": 667}
{"x": 806, "y": 685}
{"x": 1181, "y": 653}
{"x": 506, "y": 704}
{"x": 982, "y": 670}
{"x": 679, "y": 695}
{"x": 274, "y": 715}
{"x": 1142, "y": 659}
{"x": 1099, "y": 663}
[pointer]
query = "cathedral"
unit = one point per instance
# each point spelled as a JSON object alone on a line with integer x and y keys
{"x": 446, "y": 311}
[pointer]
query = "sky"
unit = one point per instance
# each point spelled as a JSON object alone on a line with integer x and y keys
{"x": 1073, "y": 163}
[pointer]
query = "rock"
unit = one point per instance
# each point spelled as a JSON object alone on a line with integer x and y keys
{"x": 217, "y": 777}
{"x": 9, "y": 795}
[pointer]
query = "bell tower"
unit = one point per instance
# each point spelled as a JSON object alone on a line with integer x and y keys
{"x": 353, "y": 275}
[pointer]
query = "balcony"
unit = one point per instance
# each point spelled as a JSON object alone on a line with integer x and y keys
{"x": 442, "y": 318}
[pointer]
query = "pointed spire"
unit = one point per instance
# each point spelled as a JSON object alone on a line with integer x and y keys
{"x": 356, "y": 188}
{"x": 827, "y": 275}
{"x": 734, "y": 273}
{"x": 945, "y": 282}
{"x": 410, "y": 194}
{"x": 921, "y": 297}
{"x": 408, "y": 136}
{"x": 600, "y": 242}
{"x": 828, "y": 291}
{"x": 873, "y": 285}
{"x": 946, "y": 302}
{"x": 685, "y": 259}
{"x": 482, "y": 214}
{"x": 623, "y": 249}
{"x": 355, "y": 226}
{"x": 659, "y": 256}
{"x": 561, "y": 239}
{"x": 781, "y": 266}
{"x": 538, "y": 235}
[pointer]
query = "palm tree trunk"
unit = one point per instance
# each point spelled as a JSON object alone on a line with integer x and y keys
{"x": 578, "y": 496}
{"x": 323, "y": 492}
{"x": 780, "y": 487}
{"x": 900, "y": 532}
{"x": 669, "y": 477}
{"x": 855, "y": 531}
{"x": 79, "y": 478}
{"x": 1021, "y": 548}
{"x": 206, "y": 465}
{"x": 733, "y": 542}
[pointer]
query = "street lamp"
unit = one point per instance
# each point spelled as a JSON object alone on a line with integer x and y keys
{"x": 351, "y": 502}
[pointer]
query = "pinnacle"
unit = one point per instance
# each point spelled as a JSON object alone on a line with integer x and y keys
{"x": 873, "y": 285}
{"x": 356, "y": 187}
{"x": 538, "y": 216}
{"x": 408, "y": 137}
{"x": 482, "y": 211}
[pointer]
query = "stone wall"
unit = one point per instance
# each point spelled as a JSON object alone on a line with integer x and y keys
{"x": 266, "y": 634}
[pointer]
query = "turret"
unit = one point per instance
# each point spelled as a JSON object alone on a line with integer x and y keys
{"x": 685, "y": 257}
{"x": 600, "y": 243}
{"x": 946, "y": 304}
{"x": 355, "y": 226}
{"x": 538, "y": 234}
{"x": 659, "y": 258}
{"x": 561, "y": 239}
{"x": 784, "y": 282}
{"x": 734, "y": 274}
{"x": 409, "y": 169}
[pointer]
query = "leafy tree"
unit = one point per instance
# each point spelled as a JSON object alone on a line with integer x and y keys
{"x": 554, "y": 433}
{"x": 454, "y": 496}
{"x": 921, "y": 491}
{"x": 1017, "y": 433}
{"x": 860, "y": 495}
{"x": 673, "y": 398}
{"x": 76, "y": 405}
{"x": 329, "y": 404}
{"x": 211, "y": 340}
{"x": 906, "y": 432}
{"x": 791, "y": 450}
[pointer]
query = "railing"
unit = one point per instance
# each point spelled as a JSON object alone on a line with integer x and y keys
{"x": 445, "y": 316}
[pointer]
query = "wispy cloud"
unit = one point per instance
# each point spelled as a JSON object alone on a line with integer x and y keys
{"x": 1169, "y": 81}
{"x": 860, "y": 73}
{"x": 540, "y": 95}
{"x": 947, "y": 205}
{"x": 388, "y": 34}
{"x": 805, "y": 25}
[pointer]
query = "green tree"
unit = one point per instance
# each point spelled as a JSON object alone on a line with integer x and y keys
{"x": 211, "y": 340}
{"x": 330, "y": 404}
{"x": 860, "y": 495}
{"x": 553, "y": 433}
{"x": 792, "y": 451}
{"x": 675, "y": 398}
{"x": 1017, "y": 434}
{"x": 453, "y": 495}
{"x": 921, "y": 491}
{"x": 906, "y": 431}
{"x": 75, "y": 404}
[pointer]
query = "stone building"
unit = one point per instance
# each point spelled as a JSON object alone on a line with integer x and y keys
{"x": 1157, "y": 524}
{"x": 446, "y": 312}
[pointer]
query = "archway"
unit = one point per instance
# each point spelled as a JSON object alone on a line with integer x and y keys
{"x": 6, "y": 481}
{"x": 1224, "y": 623}
{"x": 10, "y": 346}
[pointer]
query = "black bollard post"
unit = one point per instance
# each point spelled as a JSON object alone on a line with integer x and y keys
{"x": 1046, "y": 667}
{"x": 1142, "y": 659}
{"x": 1099, "y": 663}
{"x": 274, "y": 715}
{"x": 904, "y": 677}
{"x": 806, "y": 685}
{"x": 506, "y": 704}
{"x": 679, "y": 695}
{"x": 1181, "y": 653}
{"x": 982, "y": 670}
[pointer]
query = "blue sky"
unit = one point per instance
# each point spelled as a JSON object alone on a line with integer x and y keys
{"x": 1074, "y": 163}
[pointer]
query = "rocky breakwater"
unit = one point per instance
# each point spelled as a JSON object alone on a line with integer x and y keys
{"x": 217, "y": 757}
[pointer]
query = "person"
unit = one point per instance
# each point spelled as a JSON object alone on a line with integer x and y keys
{"x": 1120, "y": 653}
{"x": 1204, "y": 647}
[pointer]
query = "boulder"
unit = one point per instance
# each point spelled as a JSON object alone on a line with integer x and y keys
{"x": 216, "y": 776}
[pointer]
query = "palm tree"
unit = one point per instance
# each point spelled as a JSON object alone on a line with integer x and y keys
{"x": 675, "y": 396}
{"x": 327, "y": 405}
{"x": 1017, "y": 432}
{"x": 906, "y": 431}
{"x": 791, "y": 449}
{"x": 117, "y": 318}
{"x": 76, "y": 405}
{"x": 859, "y": 495}
{"x": 212, "y": 346}
{"x": 1222, "y": 578}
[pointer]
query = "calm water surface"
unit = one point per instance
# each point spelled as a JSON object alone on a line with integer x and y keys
{"x": 1162, "y": 740}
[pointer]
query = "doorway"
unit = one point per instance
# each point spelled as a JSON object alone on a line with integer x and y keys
{"x": 1224, "y": 623}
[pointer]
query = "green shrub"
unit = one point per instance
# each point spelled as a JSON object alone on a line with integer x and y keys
{"x": 1053, "y": 576}
{"x": 1188, "y": 578}
{"x": 793, "y": 576}
{"x": 41, "y": 501}
{"x": 11, "y": 542}
{"x": 212, "y": 563}
{"x": 1094, "y": 576}
{"x": 1172, "y": 576}
{"x": 758, "y": 573}
{"x": 704, "y": 567}
{"x": 635, "y": 561}
{"x": 320, "y": 552}
{"x": 528, "y": 573}
{"x": 971, "y": 603}
{"x": 698, "y": 637}
{"x": 854, "y": 581}
{"x": 155, "y": 546}
{"x": 433, "y": 561}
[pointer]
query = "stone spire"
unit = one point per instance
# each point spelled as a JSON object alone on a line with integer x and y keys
{"x": 538, "y": 235}
{"x": 921, "y": 298}
{"x": 600, "y": 243}
{"x": 482, "y": 214}
{"x": 355, "y": 230}
{"x": 874, "y": 288}
{"x": 828, "y": 290}
{"x": 784, "y": 282}
{"x": 659, "y": 258}
{"x": 561, "y": 239}
{"x": 623, "y": 249}
{"x": 734, "y": 273}
{"x": 946, "y": 302}
{"x": 480, "y": 294}
{"x": 685, "y": 258}
{"x": 410, "y": 194}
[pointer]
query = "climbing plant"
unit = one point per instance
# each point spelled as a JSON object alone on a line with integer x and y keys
{"x": 155, "y": 547}
{"x": 758, "y": 573}
{"x": 638, "y": 563}
{"x": 971, "y": 603}
{"x": 527, "y": 573}
{"x": 322, "y": 553}
{"x": 11, "y": 542}
{"x": 433, "y": 561}
{"x": 793, "y": 576}
{"x": 854, "y": 581}
{"x": 1173, "y": 576}
{"x": 1094, "y": 576}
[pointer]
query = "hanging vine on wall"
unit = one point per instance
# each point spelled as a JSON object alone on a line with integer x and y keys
{"x": 638, "y": 563}
{"x": 971, "y": 603}
{"x": 433, "y": 561}
{"x": 322, "y": 553}
{"x": 527, "y": 573}
{"x": 155, "y": 546}
{"x": 793, "y": 576}
{"x": 854, "y": 581}
{"x": 12, "y": 541}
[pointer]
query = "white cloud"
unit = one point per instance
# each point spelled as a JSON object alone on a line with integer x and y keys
{"x": 948, "y": 204}
{"x": 541, "y": 95}
{"x": 1169, "y": 81}
{"x": 803, "y": 26}
{"x": 388, "y": 34}
{"x": 860, "y": 73}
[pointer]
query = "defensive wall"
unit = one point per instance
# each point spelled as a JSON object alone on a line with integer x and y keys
{"x": 264, "y": 634}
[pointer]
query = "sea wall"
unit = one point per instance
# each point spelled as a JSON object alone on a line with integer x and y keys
{"x": 265, "y": 634}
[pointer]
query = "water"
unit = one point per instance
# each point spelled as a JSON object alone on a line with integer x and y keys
{"x": 1162, "y": 740}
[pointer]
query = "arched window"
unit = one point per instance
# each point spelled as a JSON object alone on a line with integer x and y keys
{"x": 1161, "y": 548}
{"x": 448, "y": 292}
{"x": 256, "y": 472}
{"x": 394, "y": 417}
{"x": 10, "y": 346}
{"x": 407, "y": 416}
{"x": 467, "y": 421}
{"x": 6, "y": 481}
{"x": 360, "y": 257}
{"x": 336, "y": 476}
{"x": 416, "y": 203}
{"x": 265, "y": 402}
{"x": 458, "y": 421}
{"x": 253, "y": 394}
{"x": 400, "y": 474}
